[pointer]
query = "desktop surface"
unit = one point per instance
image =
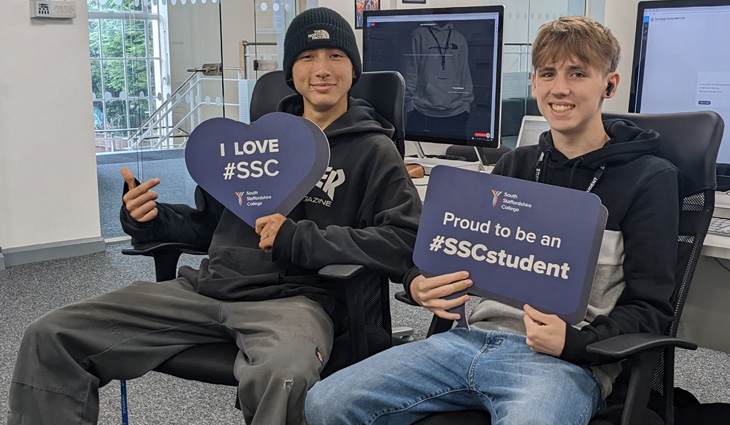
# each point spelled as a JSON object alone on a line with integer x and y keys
{"x": 716, "y": 244}
{"x": 429, "y": 163}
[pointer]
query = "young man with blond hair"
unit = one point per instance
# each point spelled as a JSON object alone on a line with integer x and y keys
{"x": 524, "y": 366}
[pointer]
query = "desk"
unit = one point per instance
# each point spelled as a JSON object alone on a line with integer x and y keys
{"x": 428, "y": 164}
{"x": 706, "y": 315}
{"x": 719, "y": 246}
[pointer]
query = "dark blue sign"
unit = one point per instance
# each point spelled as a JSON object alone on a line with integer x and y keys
{"x": 261, "y": 169}
{"x": 521, "y": 241}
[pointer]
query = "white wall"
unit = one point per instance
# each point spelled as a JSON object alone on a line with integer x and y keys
{"x": 195, "y": 36}
{"x": 195, "y": 39}
{"x": 48, "y": 186}
{"x": 620, "y": 17}
{"x": 346, "y": 8}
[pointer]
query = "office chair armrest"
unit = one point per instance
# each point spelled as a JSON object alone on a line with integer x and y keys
{"x": 165, "y": 254}
{"x": 403, "y": 297}
{"x": 340, "y": 271}
{"x": 643, "y": 350}
{"x": 437, "y": 325}
{"x": 152, "y": 248}
{"x": 354, "y": 302}
{"x": 625, "y": 346}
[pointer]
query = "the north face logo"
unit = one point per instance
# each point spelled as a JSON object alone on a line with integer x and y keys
{"x": 318, "y": 35}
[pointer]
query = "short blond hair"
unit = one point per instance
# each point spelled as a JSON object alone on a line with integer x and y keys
{"x": 578, "y": 36}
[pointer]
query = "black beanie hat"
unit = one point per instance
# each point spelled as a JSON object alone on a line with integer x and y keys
{"x": 319, "y": 28}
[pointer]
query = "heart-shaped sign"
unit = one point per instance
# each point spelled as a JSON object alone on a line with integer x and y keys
{"x": 261, "y": 169}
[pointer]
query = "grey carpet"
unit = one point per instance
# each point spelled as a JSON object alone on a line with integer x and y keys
{"x": 28, "y": 291}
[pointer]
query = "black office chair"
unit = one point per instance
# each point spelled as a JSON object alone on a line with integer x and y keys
{"x": 366, "y": 294}
{"x": 643, "y": 393}
{"x": 384, "y": 90}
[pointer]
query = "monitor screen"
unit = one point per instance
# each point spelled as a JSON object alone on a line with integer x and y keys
{"x": 451, "y": 60}
{"x": 682, "y": 61}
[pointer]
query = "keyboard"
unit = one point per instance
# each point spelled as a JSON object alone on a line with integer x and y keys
{"x": 719, "y": 226}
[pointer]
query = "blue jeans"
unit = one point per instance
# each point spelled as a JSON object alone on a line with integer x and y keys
{"x": 458, "y": 370}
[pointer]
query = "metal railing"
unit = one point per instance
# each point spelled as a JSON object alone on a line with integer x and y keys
{"x": 163, "y": 130}
{"x": 166, "y": 129}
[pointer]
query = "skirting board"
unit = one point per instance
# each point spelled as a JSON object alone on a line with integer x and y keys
{"x": 50, "y": 251}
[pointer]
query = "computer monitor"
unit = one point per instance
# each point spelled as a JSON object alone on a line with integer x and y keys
{"x": 531, "y": 129}
{"x": 682, "y": 63}
{"x": 451, "y": 60}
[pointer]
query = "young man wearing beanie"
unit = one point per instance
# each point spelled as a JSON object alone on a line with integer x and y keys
{"x": 521, "y": 365}
{"x": 258, "y": 286}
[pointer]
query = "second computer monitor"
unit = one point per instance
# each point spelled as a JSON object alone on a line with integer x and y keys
{"x": 682, "y": 63}
{"x": 451, "y": 59}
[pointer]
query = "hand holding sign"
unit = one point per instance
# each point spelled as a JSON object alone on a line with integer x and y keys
{"x": 545, "y": 332}
{"x": 258, "y": 170}
{"x": 140, "y": 200}
{"x": 431, "y": 292}
{"x": 268, "y": 227}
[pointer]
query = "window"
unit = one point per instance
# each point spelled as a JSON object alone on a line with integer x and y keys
{"x": 127, "y": 47}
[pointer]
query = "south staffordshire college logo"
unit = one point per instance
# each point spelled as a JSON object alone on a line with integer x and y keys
{"x": 495, "y": 197}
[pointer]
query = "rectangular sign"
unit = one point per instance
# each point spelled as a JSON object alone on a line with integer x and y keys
{"x": 521, "y": 241}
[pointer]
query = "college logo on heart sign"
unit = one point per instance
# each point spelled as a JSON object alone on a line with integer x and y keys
{"x": 261, "y": 169}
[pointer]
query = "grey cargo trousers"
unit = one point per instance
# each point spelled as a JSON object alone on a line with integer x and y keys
{"x": 67, "y": 354}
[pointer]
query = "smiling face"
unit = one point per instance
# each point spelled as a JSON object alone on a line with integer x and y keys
{"x": 323, "y": 77}
{"x": 570, "y": 94}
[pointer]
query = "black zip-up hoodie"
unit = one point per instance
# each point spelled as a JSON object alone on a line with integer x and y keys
{"x": 364, "y": 211}
{"x": 635, "y": 273}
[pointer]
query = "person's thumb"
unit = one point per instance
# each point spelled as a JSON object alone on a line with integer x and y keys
{"x": 128, "y": 178}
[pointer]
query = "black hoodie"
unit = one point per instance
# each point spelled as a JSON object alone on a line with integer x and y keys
{"x": 364, "y": 211}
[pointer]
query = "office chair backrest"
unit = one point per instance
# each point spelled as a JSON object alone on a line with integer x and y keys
{"x": 384, "y": 90}
{"x": 690, "y": 141}
{"x": 270, "y": 88}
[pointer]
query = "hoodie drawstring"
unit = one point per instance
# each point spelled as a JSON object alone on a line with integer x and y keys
{"x": 572, "y": 171}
